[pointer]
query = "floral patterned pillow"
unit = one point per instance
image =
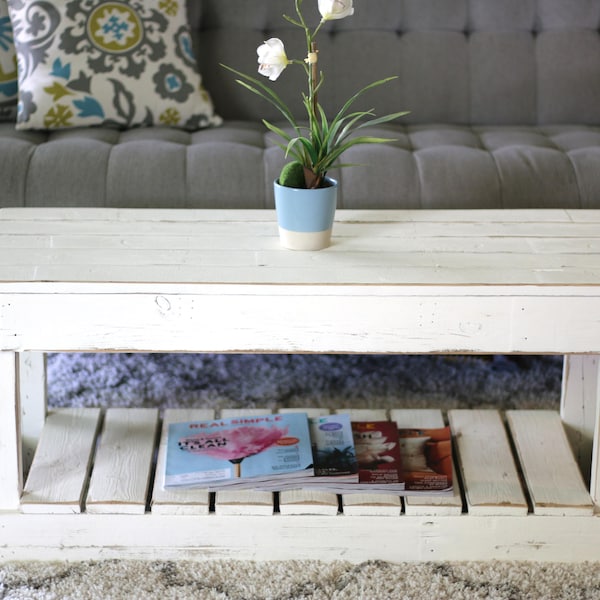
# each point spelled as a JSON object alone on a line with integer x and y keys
{"x": 121, "y": 63}
{"x": 8, "y": 67}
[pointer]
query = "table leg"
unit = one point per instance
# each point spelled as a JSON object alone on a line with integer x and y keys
{"x": 11, "y": 472}
{"x": 32, "y": 391}
{"x": 595, "y": 474}
{"x": 578, "y": 406}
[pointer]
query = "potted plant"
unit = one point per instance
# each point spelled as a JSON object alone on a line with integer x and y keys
{"x": 305, "y": 197}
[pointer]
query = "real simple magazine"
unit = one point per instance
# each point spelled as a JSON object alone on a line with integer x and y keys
{"x": 277, "y": 452}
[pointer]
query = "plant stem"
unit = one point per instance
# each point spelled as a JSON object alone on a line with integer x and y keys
{"x": 314, "y": 78}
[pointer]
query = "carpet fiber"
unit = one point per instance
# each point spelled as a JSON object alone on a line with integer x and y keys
{"x": 298, "y": 580}
{"x": 300, "y": 380}
{"x": 276, "y": 381}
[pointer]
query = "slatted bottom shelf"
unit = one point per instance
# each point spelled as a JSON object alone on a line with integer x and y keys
{"x": 95, "y": 471}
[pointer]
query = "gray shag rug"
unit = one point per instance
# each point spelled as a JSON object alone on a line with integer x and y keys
{"x": 299, "y": 380}
{"x": 276, "y": 381}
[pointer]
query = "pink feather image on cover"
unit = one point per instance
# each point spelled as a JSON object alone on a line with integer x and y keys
{"x": 233, "y": 444}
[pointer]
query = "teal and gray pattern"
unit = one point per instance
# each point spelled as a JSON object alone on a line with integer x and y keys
{"x": 120, "y": 63}
{"x": 8, "y": 67}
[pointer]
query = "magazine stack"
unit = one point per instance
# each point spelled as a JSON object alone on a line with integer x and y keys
{"x": 277, "y": 452}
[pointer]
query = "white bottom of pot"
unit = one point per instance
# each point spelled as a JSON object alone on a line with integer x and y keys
{"x": 301, "y": 240}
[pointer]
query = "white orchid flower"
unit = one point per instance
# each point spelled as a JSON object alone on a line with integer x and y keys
{"x": 272, "y": 58}
{"x": 335, "y": 9}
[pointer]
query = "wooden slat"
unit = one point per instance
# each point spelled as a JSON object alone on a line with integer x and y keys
{"x": 122, "y": 469}
{"x": 178, "y": 501}
{"x": 244, "y": 502}
{"x": 554, "y": 481}
{"x": 365, "y": 504}
{"x": 422, "y": 504}
{"x": 307, "y": 502}
{"x": 396, "y": 247}
{"x": 59, "y": 473}
{"x": 11, "y": 468}
{"x": 490, "y": 477}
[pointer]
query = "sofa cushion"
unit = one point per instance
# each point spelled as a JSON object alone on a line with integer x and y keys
{"x": 114, "y": 63}
{"x": 233, "y": 166}
{"x": 8, "y": 67}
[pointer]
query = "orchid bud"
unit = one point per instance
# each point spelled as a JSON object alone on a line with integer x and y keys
{"x": 335, "y": 9}
{"x": 272, "y": 58}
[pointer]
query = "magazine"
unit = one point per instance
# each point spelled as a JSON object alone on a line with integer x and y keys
{"x": 402, "y": 462}
{"x": 378, "y": 456}
{"x": 278, "y": 452}
{"x": 376, "y": 448}
{"x": 238, "y": 451}
{"x": 333, "y": 453}
{"x": 426, "y": 459}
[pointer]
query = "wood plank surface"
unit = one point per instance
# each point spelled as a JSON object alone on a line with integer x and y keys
{"x": 180, "y": 501}
{"x": 365, "y": 504}
{"x": 307, "y": 502}
{"x": 123, "y": 464}
{"x": 555, "y": 484}
{"x": 59, "y": 474}
{"x": 424, "y": 505}
{"x": 244, "y": 502}
{"x": 397, "y": 247}
{"x": 11, "y": 470}
{"x": 491, "y": 481}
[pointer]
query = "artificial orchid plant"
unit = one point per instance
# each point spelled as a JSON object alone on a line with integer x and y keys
{"x": 315, "y": 147}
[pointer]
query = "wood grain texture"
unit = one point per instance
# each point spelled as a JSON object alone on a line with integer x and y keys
{"x": 122, "y": 467}
{"x": 553, "y": 478}
{"x": 491, "y": 481}
{"x": 58, "y": 479}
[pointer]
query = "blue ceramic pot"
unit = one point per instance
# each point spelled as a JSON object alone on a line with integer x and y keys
{"x": 305, "y": 217}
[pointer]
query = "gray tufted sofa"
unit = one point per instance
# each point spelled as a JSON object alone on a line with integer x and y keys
{"x": 504, "y": 98}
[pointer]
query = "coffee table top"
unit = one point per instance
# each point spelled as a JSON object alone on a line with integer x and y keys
{"x": 463, "y": 247}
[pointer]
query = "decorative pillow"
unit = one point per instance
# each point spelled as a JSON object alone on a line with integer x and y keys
{"x": 122, "y": 63}
{"x": 8, "y": 67}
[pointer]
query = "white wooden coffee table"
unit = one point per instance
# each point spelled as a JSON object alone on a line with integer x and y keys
{"x": 217, "y": 281}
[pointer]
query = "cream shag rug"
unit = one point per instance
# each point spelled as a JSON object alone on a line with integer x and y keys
{"x": 298, "y": 580}
{"x": 300, "y": 380}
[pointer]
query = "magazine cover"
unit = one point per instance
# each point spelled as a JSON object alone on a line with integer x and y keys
{"x": 426, "y": 459}
{"x": 333, "y": 455}
{"x": 237, "y": 448}
{"x": 378, "y": 454}
{"x": 333, "y": 448}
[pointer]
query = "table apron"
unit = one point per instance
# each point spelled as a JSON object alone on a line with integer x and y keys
{"x": 299, "y": 319}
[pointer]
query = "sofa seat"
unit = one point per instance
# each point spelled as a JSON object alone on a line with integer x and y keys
{"x": 427, "y": 166}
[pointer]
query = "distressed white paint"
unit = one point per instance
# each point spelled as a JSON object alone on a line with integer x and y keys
{"x": 58, "y": 479}
{"x": 489, "y": 473}
{"x": 392, "y": 281}
{"x": 122, "y": 466}
{"x": 553, "y": 478}
{"x": 32, "y": 386}
{"x": 11, "y": 473}
{"x": 356, "y": 539}
{"x": 275, "y": 537}
{"x": 578, "y": 406}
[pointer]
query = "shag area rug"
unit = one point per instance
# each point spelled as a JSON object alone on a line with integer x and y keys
{"x": 301, "y": 380}
{"x": 275, "y": 381}
{"x": 298, "y": 580}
